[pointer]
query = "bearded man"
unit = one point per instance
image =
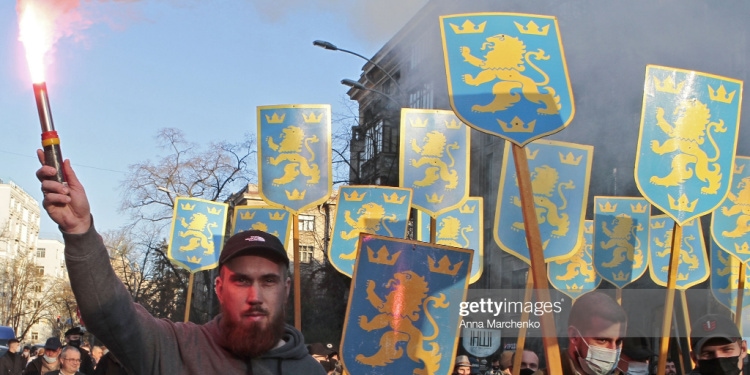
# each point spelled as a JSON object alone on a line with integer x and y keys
{"x": 248, "y": 337}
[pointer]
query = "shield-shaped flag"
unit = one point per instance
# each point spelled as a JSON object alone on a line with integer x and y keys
{"x": 294, "y": 155}
{"x": 268, "y": 219}
{"x": 693, "y": 268}
{"x": 730, "y": 223}
{"x": 560, "y": 174}
{"x": 687, "y": 141}
{"x": 366, "y": 209}
{"x": 576, "y": 275}
{"x": 621, "y": 227}
{"x": 403, "y": 313}
{"x": 507, "y": 74}
{"x": 725, "y": 269}
{"x": 434, "y": 159}
{"x": 464, "y": 227}
{"x": 197, "y": 233}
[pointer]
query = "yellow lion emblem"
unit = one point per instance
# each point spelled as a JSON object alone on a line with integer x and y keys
{"x": 620, "y": 241}
{"x": 449, "y": 232}
{"x": 198, "y": 224}
{"x": 505, "y": 61}
{"x": 543, "y": 182}
{"x": 578, "y": 264}
{"x": 692, "y": 125}
{"x": 431, "y": 154}
{"x": 400, "y": 310}
{"x": 741, "y": 207}
{"x": 262, "y": 226}
{"x": 289, "y": 149}
{"x": 371, "y": 217}
{"x": 686, "y": 256}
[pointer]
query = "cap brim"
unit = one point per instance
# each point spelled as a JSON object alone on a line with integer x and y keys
{"x": 699, "y": 345}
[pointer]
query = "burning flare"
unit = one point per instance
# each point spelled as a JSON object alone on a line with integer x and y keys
{"x": 37, "y": 35}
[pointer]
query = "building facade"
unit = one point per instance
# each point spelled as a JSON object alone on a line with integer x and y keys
{"x": 19, "y": 220}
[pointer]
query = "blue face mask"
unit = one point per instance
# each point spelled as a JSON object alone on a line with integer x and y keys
{"x": 598, "y": 361}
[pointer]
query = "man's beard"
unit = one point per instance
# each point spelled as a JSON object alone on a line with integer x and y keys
{"x": 251, "y": 339}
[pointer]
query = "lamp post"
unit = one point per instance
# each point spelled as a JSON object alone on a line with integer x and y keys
{"x": 332, "y": 47}
{"x": 356, "y": 85}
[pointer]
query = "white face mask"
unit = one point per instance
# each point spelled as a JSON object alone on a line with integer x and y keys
{"x": 637, "y": 368}
{"x": 598, "y": 361}
{"x": 50, "y": 359}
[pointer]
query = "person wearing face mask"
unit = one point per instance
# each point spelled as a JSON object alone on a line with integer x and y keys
{"x": 74, "y": 338}
{"x": 596, "y": 326}
{"x": 718, "y": 347}
{"x": 49, "y": 361}
{"x": 635, "y": 356}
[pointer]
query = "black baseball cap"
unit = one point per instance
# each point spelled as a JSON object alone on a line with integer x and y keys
{"x": 637, "y": 348}
{"x": 74, "y": 331}
{"x": 53, "y": 343}
{"x": 254, "y": 242}
{"x": 712, "y": 326}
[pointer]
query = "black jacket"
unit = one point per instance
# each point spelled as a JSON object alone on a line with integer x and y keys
{"x": 12, "y": 364}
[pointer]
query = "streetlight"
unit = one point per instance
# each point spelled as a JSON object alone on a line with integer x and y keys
{"x": 332, "y": 47}
{"x": 356, "y": 85}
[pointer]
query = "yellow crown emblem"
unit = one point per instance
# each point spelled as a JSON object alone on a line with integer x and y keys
{"x": 743, "y": 249}
{"x": 469, "y": 27}
{"x": 382, "y": 256}
{"x": 393, "y": 198}
{"x": 574, "y": 288}
{"x": 638, "y": 208}
{"x": 668, "y": 85}
{"x": 517, "y": 126}
{"x": 621, "y": 276}
{"x": 720, "y": 94}
{"x": 682, "y": 203}
{"x": 194, "y": 259}
{"x": 531, "y": 155}
{"x": 187, "y": 206}
{"x": 588, "y": 228}
{"x": 532, "y": 28}
{"x": 738, "y": 168}
{"x": 418, "y": 122}
{"x": 658, "y": 224}
{"x": 310, "y": 118}
{"x": 466, "y": 209}
{"x": 444, "y": 266}
{"x": 213, "y": 210}
{"x": 434, "y": 198}
{"x": 295, "y": 195}
{"x": 247, "y": 215}
{"x": 275, "y": 119}
{"x": 607, "y": 208}
{"x": 453, "y": 124}
{"x": 570, "y": 159}
{"x": 276, "y": 216}
{"x": 682, "y": 276}
{"x": 354, "y": 196}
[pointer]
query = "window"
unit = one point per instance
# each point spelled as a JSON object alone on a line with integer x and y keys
{"x": 306, "y": 223}
{"x": 305, "y": 253}
{"x": 41, "y": 252}
{"x": 38, "y": 288}
{"x": 40, "y": 270}
{"x": 34, "y": 336}
{"x": 37, "y": 304}
{"x": 421, "y": 98}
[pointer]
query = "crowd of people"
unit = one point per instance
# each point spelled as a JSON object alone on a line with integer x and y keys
{"x": 599, "y": 343}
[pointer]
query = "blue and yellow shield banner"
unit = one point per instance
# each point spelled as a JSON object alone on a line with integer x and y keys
{"x": 268, "y": 219}
{"x": 434, "y": 159}
{"x": 366, "y": 209}
{"x": 197, "y": 234}
{"x": 560, "y": 173}
{"x": 687, "y": 141}
{"x": 294, "y": 155}
{"x": 621, "y": 227}
{"x": 576, "y": 275}
{"x": 460, "y": 227}
{"x": 693, "y": 268}
{"x": 730, "y": 223}
{"x": 507, "y": 74}
{"x": 403, "y": 313}
{"x": 725, "y": 270}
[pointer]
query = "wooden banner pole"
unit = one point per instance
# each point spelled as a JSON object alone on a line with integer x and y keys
{"x": 189, "y": 297}
{"x": 521, "y": 341}
{"x": 618, "y": 296}
{"x": 674, "y": 263}
{"x": 536, "y": 257}
{"x": 686, "y": 318}
{"x": 740, "y": 296}
{"x": 433, "y": 229}
{"x": 297, "y": 274}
